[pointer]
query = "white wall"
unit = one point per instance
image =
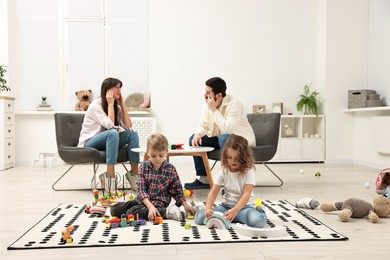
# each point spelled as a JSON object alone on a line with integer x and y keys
{"x": 3, "y": 32}
{"x": 379, "y": 53}
{"x": 265, "y": 50}
{"x": 346, "y": 68}
{"x": 379, "y": 80}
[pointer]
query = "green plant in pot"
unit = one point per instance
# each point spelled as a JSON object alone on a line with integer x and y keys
{"x": 43, "y": 100}
{"x": 308, "y": 101}
{"x": 3, "y": 81}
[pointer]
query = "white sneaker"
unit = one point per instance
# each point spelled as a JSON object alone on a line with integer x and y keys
{"x": 173, "y": 212}
{"x": 109, "y": 185}
{"x": 132, "y": 179}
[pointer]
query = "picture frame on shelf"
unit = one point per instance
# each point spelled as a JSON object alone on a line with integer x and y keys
{"x": 277, "y": 107}
{"x": 259, "y": 109}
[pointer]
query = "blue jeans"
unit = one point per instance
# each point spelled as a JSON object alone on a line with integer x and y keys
{"x": 217, "y": 142}
{"x": 111, "y": 141}
{"x": 249, "y": 215}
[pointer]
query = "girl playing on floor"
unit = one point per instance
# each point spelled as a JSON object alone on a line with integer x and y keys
{"x": 237, "y": 176}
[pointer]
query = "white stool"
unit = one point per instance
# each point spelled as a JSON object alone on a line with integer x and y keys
{"x": 45, "y": 157}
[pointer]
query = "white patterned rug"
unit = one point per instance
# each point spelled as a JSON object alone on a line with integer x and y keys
{"x": 89, "y": 230}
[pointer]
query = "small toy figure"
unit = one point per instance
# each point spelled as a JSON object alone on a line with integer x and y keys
{"x": 66, "y": 236}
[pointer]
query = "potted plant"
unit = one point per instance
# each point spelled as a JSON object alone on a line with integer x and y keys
{"x": 43, "y": 100}
{"x": 3, "y": 81}
{"x": 308, "y": 101}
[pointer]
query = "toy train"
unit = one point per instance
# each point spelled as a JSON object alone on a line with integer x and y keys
{"x": 124, "y": 221}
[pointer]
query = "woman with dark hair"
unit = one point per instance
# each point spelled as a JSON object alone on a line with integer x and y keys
{"x": 107, "y": 127}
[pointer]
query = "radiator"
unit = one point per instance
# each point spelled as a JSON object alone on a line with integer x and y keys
{"x": 145, "y": 126}
{"x": 380, "y": 134}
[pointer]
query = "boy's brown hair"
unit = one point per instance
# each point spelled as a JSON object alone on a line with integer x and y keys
{"x": 157, "y": 142}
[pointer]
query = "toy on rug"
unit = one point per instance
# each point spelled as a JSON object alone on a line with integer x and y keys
{"x": 107, "y": 200}
{"x": 358, "y": 208}
{"x": 124, "y": 221}
{"x": 158, "y": 220}
{"x": 307, "y": 203}
{"x": 276, "y": 231}
{"x": 217, "y": 221}
{"x": 84, "y": 98}
{"x": 382, "y": 183}
{"x": 66, "y": 236}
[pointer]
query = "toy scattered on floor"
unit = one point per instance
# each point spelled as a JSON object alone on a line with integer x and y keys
{"x": 188, "y": 193}
{"x": 158, "y": 220}
{"x": 367, "y": 185}
{"x": 66, "y": 235}
{"x": 358, "y": 208}
{"x": 301, "y": 171}
{"x": 96, "y": 209}
{"x": 259, "y": 203}
{"x": 382, "y": 183}
{"x": 307, "y": 203}
{"x": 317, "y": 174}
{"x": 84, "y": 98}
{"x": 217, "y": 221}
{"x": 187, "y": 225}
{"x": 245, "y": 230}
{"x": 124, "y": 221}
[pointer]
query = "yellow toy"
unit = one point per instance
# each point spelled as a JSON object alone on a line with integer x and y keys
{"x": 65, "y": 235}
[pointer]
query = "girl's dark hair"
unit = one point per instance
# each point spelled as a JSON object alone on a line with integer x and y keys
{"x": 239, "y": 144}
{"x": 218, "y": 85}
{"x": 107, "y": 84}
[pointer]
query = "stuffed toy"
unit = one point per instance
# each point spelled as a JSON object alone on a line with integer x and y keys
{"x": 358, "y": 208}
{"x": 85, "y": 98}
{"x": 307, "y": 203}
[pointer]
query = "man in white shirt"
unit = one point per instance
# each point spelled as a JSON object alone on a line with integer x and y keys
{"x": 221, "y": 116}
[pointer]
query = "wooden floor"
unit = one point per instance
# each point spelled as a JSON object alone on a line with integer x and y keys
{"x": 28, "y": 196}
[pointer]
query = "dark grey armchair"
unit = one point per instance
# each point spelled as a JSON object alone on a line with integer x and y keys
{"x": 266, "y": 127}
{"x": 68, "y": 127}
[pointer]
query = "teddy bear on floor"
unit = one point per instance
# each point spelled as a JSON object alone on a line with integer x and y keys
{"x": 358, "y": 208}
{"x": 85, "y": 98}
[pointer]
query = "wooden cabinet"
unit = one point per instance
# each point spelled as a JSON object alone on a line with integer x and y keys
{"x": 7, "y": 136}
{"x": 302, "y": 139}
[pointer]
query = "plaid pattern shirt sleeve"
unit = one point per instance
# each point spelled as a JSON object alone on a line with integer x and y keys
{"x": 159, "y": 186}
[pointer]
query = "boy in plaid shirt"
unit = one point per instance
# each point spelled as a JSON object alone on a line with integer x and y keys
{"x": 158, "y": 182}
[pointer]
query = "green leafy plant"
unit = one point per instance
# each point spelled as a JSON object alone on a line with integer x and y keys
{"x": 3, "y": 81}
{"x": 308, "y": 101}
{"x": 43, "y": 98}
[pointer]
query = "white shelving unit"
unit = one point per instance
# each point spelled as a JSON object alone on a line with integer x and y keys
{"x": 7, "y": 136}
{"x": 307, "y": 141}
{"x": 367, "y": 109}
